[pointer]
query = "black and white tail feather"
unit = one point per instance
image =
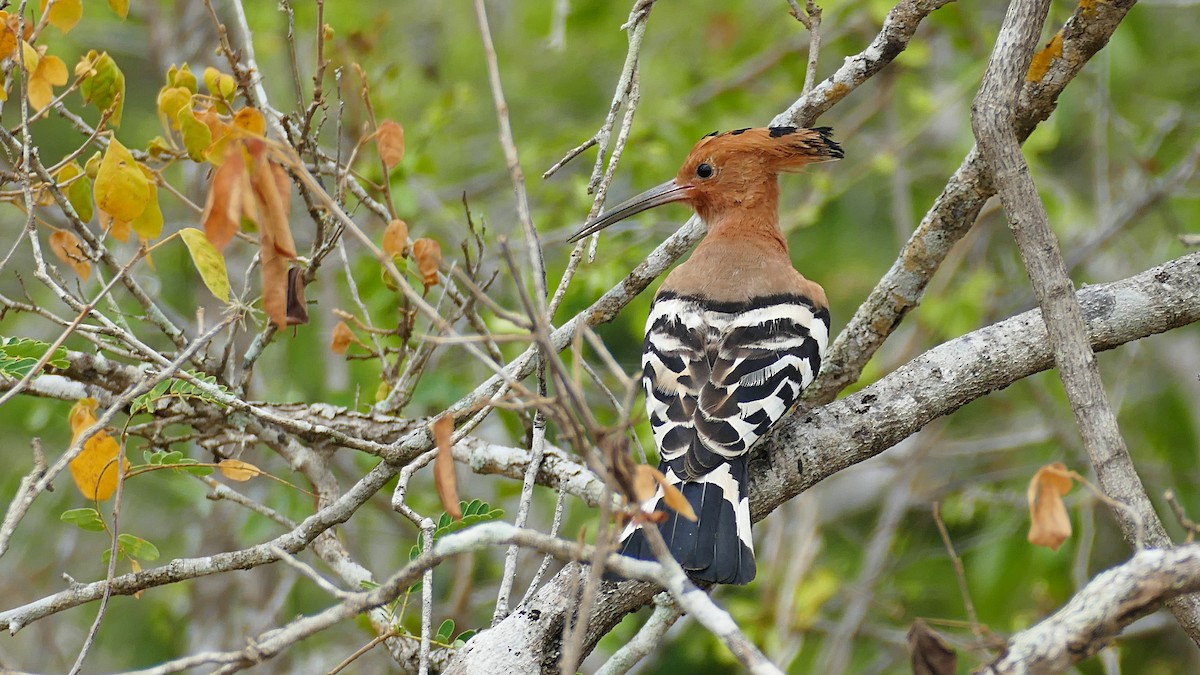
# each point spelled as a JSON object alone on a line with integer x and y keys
{"x": 718, "y": 376}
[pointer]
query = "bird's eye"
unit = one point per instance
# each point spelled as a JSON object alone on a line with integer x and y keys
{"x": 705, "y": 170}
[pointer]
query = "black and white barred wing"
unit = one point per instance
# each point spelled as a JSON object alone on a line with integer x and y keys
{"x": 765, "y": 356}
{"x": 675, "y": 364}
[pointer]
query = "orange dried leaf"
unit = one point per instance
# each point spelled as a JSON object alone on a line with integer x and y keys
{"x": 8, "y": 35}
{"x": 223, "y": 208}
{"x": 270, "y": 186}
{"x": 443, "y": 466}
{"x": 66, "y": 247}
{"x": 251, "y": 121}
{"x": 390, "y": 139}
{"x": 1049, "y": 525}
{"x": 673, "y": 498}
{"x": 395, "y": 238}
{"x": 236, "y": 469}
{"x": 645, "y": 482}
{"x": 342, "y": 337}
{"x": 429, "y": 256}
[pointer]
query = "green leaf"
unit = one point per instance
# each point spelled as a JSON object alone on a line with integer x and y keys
{"x": 464, "y": 637}
{"x": 104, "y": 85}
{"x": 85, "y": 519}
{"x": 198, "y": 470}
{"x": 19, "y": 355}
{"x": 445, "y": 631}
{"x": 172, "y": 457}
{"x": 136, "y": 547}
{"x": 177, "y": 388}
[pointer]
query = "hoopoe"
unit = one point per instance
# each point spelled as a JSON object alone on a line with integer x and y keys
{"x": 734, "y": 335}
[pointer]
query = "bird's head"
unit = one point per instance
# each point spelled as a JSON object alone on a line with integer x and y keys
{"x": 736, "y": 169}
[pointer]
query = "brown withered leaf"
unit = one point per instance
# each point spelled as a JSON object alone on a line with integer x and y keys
{"x": 270, "y": 185}
{"x": 645, "y": 482}
{"x": 673, "y": 498}
{"x": 342, "y": 337}
{"x": 223, "y": 208}
{"x": 66, "y": 246}
{"x": 390, "y": 139}
{"x": 1049, "y": 524}
{"x": 297, "y": 306}
{"x": 395, "y": 238}
{"x": 443, "y": 466}
{"x": 428, "y": 254}
{"x": 236, "y": 469}
{"x": 931, "y": 655}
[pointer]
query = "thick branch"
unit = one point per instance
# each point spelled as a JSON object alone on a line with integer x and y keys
{"x": 817, "y": 444}
{"x": 1099, "y": 612}
{"x": 955, "y": 210}
{"x": 993, "y": 118}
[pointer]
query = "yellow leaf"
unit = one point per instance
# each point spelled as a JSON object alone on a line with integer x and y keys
{"x": 208, "y": 262}
{"x": 251, "y": 121}
{"x": 64, "y": 14}
{"x": 95, "y": 468}
{"x": 102, "y": 83}
{"x": 50, "y": 72}
{"x": 66, "y": 247}
{"x": 149, "y": 224}
{"x": 395, "y": 238}
{"x": 182, "y": 77}
{"x": 170, "y": 101}
{"x": 31, "y": 55}
{"x": 121, "y": 188}
{"x": 236, "y": 469}
{"x": 443, "y": 466}
{"x": 219, "y": 84}
{"x": 1049, "y": 523}
{"x": 121, "y": 7}
{"x": 390, "y": 139}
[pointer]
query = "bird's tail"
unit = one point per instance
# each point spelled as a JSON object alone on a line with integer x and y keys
{"x": 717, "y": 547}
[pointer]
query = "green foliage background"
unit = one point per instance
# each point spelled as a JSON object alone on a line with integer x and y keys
{"x": 1125, "y": 122}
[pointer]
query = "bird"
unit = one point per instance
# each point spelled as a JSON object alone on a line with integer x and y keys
{"x": 734, "y": 335}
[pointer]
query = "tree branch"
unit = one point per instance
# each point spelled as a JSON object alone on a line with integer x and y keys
{"x": 813, "y": 445}
{"x": 993, "y": 119}
{"x": 1099, "y": 612}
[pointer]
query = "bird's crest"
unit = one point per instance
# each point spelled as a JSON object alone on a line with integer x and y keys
{"x": 781, "y": 149}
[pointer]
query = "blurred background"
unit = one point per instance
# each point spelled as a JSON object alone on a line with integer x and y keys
{"x": 845, "y": 568}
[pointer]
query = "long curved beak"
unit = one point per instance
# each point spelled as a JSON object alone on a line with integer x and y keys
{"x": 656, "y": 196}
